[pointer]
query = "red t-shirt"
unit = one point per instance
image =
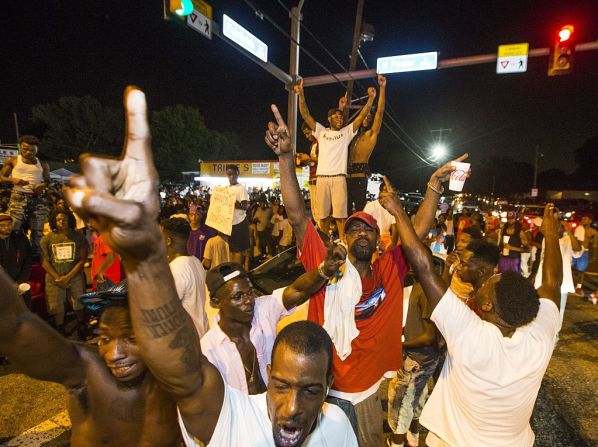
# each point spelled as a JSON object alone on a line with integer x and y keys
{"x": 100, "y": 252}
{"x": 378, "y": 316}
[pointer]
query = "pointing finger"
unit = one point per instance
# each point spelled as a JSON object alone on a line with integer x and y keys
{"x": 389, "y": 187}
{"x": 137, "y": 145}
{"x": 278, "y": 116}
{"x": 462, "y": 157}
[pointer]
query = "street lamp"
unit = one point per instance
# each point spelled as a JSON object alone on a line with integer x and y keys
{"x": 438, "y": 152}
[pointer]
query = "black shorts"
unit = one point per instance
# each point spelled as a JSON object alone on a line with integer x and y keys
{"x": 239, "y": 237}
{"x": 357, "y": 188}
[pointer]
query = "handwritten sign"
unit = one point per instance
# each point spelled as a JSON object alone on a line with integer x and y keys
{"x": 222, "y": 207}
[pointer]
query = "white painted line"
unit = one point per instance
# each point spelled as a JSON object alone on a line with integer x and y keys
{"x": 44, "y": 432}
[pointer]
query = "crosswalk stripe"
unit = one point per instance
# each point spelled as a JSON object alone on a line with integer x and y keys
{"x": 42, "y": 433}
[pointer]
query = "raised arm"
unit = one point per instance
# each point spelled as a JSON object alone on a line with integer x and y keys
{"x": 309, "y": 120}
{"x": 309, "y": 283}
{"x": 552, "y": 270}
{"x": 417, "y": 254}
{"x": 55, "y": 359}
{"x": 120, "y": 197}
{"x": 278, "y": 139}
{"x": 365, "y": 109}
{"x": 377, "y": 124}
{"x": 427, "y": 210}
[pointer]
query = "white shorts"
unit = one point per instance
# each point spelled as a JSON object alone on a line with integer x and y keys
{"x": 331, "y": 193}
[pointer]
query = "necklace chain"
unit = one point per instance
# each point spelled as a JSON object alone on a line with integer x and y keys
{"x": 251, "y": 373}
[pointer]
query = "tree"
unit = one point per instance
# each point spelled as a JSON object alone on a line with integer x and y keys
{"x": 74, "y": 125}
{"x": 180, "y": 139}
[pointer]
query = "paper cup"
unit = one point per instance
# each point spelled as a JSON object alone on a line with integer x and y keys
{"x": 458, "y": 176}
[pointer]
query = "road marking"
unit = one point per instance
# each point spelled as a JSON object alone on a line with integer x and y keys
{"x": 42, "y": 433}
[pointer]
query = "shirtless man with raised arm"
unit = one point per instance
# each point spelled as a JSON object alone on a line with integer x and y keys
{"x": 495, "y": 361}
{"x": 358, "y": 170}
{"x": 333, "y": 145}
{"x": 121, "y": 198}
{"x": 113, "y": 400}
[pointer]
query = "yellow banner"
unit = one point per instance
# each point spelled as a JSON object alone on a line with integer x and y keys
{"x": 203, "y": 8}
{"x": 516, "y": 49}
{"x": 247, "y": 168}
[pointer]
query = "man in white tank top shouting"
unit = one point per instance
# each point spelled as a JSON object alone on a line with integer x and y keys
{"x": 30, "y": 178}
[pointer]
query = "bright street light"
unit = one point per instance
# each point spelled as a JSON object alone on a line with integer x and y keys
{"x": 438, "y": 151}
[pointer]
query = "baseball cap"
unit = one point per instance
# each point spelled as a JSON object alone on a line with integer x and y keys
{"x": 511, "y": 215}
{"x": 107, "y": 293}
{"x": 195, "y": 208}
{"x": 223, "y": 273}
{"x": 364, "y": 217}
{"x": 333, "y": 111}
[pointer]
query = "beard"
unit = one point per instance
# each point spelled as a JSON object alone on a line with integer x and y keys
{"x": 362, "y": 253}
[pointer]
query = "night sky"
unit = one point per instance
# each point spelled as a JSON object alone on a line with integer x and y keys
{"x": 97, "y": 47}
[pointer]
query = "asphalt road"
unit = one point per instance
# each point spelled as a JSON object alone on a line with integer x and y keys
{"x": 565, "y": 414}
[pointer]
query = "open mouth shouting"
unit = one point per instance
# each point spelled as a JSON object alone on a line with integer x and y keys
{"x": 288, "y": 435}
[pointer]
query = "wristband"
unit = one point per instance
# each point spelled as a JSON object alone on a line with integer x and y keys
{"x": 441, "y": 191}
{"x": 321, "y": 272}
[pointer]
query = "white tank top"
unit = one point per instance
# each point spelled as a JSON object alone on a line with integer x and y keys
{"x": 34, "y": 174}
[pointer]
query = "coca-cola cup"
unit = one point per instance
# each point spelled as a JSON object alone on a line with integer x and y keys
{"x": 458, "y": 176}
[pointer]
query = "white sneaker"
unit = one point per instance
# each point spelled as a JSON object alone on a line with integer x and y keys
{"x": 594, "y": 298}
{"x": 413, "y": 439}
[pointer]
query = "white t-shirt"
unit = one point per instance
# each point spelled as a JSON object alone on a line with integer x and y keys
{"x": 190, "y": 281}
{"x": 489, "y": 383}
{"x": 580, "y": 235}
{"x": 287, "y": 233}
{"x": 239, "y": 215}
{"x": 244, "y": 422}
{"x": 334, "y": 149}
{"x": 217, "y": 251}
{"x": 383, "y": 217}
{"x": 567, "y": 254}
{"x": 275, "y": 221}
{"x": 222, "y": 352}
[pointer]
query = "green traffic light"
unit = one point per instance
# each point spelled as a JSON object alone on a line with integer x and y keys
{"x": 186, "y": 8}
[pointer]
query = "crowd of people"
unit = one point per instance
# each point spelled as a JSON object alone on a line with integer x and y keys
{"x": 465, "y": 358}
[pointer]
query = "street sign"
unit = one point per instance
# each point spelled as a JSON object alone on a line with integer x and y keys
{"x": 512, "y": 58}
{"x": 534, "y": 192}
{"x": 407, "y": 62}
{"x": 200, "y": 23}
{"x": 244, "y": 38}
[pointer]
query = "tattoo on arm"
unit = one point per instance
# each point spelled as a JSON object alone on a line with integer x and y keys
{"x": 167, "y": 319}
{"x": 164, "y": 320}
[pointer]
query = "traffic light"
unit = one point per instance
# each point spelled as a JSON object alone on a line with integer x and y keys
{"x": 561, "y": 56}
{"x": 181, "y": 8}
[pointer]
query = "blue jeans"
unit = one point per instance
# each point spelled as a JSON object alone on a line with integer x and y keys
{"x": 407, "y": 393}
{"x": 347, "y": 408}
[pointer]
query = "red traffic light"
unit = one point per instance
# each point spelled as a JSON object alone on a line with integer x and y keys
{"x": 565, "y": 33}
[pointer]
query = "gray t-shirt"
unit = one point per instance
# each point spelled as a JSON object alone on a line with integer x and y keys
{"x": 62, "y": 250}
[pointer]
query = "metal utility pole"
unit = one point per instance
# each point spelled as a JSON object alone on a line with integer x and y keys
{"x": 439, "y": 132}
{"x": 294, "y": 72}
{"x": 16, "y": 125}
{"x": 353, "y": 61}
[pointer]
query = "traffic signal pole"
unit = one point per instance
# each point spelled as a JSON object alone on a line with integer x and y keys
{"x": 444, "y": 63}
{"x": 294, "y": 72}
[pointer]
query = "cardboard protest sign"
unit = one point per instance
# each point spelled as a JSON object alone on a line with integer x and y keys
{"x": 222, "y": 207}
